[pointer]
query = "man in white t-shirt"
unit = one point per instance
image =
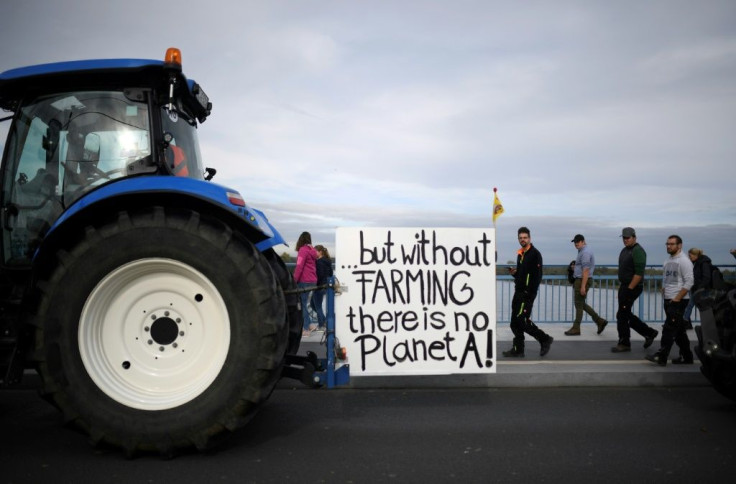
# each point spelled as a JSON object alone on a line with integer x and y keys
{"x": 677, "y": 279}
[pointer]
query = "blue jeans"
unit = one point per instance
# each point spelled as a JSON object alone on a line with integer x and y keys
{"x": 305, "y": 297}
{"x": 317, "y": 298}
{"x": 689, "y": 309}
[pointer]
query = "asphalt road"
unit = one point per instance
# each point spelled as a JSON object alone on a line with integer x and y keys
{"x": 617, "y": 435}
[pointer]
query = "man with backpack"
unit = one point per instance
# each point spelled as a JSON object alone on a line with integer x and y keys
{"x": 582, "y": 281}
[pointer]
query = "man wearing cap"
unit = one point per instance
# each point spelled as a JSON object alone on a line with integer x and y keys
{"x": 631, "y": 264}
{"x": 583, "y": 274}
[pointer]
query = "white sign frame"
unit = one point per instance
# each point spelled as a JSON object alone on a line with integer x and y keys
{"x": 417, "y": 301}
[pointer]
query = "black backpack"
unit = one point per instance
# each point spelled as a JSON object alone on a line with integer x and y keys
{"x": 571, "y": 272}
{"x": 716, "y": 279}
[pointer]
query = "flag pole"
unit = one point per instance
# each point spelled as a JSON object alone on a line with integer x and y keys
{"x": 497, "y": 207}
{"x": 497, "y": 211}
{"x": 495, "y": 195}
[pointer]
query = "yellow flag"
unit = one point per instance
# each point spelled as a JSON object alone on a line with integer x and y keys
{"x": 497, "y": 207}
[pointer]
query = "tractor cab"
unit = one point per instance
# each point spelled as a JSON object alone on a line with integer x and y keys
{"x": 123, "y": 118}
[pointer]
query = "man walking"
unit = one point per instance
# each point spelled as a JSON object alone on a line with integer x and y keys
{"x": 527, "y": 277}
{"x": 583, "y": 274}
{"x": 631, "y": 264}
{"x": 677, "y": 279}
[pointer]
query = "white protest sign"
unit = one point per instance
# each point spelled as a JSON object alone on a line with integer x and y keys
{"x": 419, "y": 301}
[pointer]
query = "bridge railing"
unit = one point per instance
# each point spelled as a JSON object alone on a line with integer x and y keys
{"x": 555, "y": 302}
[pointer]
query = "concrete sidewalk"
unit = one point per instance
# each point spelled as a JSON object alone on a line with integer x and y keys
{"x": 572, "y": 361}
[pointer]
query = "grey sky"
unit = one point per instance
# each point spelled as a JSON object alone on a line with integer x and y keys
{"x": 588, "y": 116}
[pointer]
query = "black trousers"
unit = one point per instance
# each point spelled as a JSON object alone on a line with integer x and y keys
{"x": 674, "y": 329}
{"x": 626, "y": 319}
{"x": 521, "y": 310}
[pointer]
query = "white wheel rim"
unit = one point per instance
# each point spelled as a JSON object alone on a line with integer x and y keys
{"x": 154, "y": 334}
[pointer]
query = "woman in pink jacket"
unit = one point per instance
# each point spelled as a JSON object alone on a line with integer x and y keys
{"x": 305, "y": 275}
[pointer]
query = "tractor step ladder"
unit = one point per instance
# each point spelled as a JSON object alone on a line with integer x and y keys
{"x": 314, "y": 371}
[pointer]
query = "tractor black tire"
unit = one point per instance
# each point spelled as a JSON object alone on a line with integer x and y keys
{"x": 722, "y": 376}
{"x": 293, "y": 302}
{"x": 718, "y": 312}
{"x": 158, "y": 329}
{"x": 720, "y": 373}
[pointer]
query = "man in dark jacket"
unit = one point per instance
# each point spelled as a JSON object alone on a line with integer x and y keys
{"x": 631, "y": 264}
{"x": 527, "y": 277}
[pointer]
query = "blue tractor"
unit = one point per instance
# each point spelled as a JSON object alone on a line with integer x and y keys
{"x": 716, "y": 346}
{"x": 149, "y": 299}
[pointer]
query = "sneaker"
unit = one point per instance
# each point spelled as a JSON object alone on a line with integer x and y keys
{"x": 657, "y": 359}
{"x": 306, "y": 333}
{"x": 572, "y": 332}
{"x": 602, "y": 326}
{"x": 619, "y": 348}
{"x": 680, "y": 360}
{"x": 545, "y": 345}
{"x": 650, "y": 339}
{"x": 514, "y": 353}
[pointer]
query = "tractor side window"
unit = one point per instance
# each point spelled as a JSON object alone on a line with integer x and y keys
{"x": 182, "y": 152}
{"x": 4, "y": 125}
{"x": 32, "y": 161}
{"x": 32, "y": 186}
{"x": 33, "y": 189}
{"x": 61, "y": 147}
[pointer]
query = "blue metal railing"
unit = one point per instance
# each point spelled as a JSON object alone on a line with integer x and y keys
{"x": 555, "y": 301}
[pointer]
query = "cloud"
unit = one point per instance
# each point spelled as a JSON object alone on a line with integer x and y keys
{"x": 587, "y": 116}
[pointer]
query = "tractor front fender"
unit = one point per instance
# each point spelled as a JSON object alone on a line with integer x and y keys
{"x": 139, "y": 192}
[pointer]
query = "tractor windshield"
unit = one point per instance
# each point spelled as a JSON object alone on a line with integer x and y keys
{"x": 61, "y": 146}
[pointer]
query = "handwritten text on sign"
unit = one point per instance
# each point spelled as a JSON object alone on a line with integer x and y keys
{"x": 418, "y": 301}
